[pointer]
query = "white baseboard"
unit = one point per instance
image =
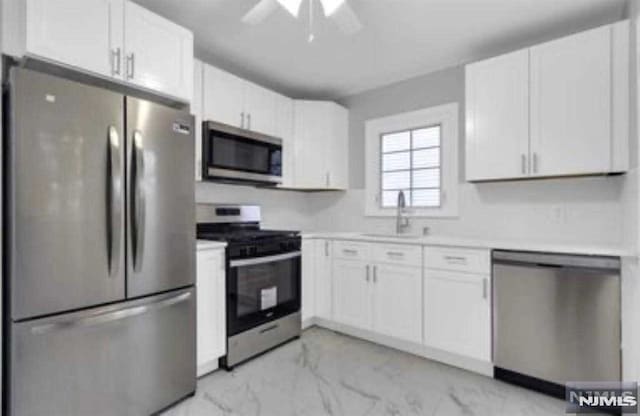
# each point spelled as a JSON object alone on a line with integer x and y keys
{"x": 455, "y": 360}
{"x": 206, "y": 368}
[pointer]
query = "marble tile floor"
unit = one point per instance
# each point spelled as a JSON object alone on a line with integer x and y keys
{"x": 325, "y": 373}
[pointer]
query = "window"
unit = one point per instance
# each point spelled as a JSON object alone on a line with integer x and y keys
{"x": 417, "y": 153}
{"x": 410, "y": 162}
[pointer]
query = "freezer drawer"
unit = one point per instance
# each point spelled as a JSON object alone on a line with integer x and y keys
{"x": 134, "y": 358}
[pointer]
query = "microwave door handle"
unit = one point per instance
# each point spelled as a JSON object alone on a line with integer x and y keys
{"x": 138, "y": 201}
{"x": 264, "y": 260}
{"x": 114, "y": 201}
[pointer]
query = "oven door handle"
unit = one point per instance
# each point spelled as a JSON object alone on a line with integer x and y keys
{"x": 264, "y": 260}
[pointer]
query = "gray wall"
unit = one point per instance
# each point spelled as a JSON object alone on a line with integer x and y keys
{"x": 414, "y": 94}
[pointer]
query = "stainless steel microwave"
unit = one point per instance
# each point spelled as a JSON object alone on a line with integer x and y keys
{"x": 231, "y": 154}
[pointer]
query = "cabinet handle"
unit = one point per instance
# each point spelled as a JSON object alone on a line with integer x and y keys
{"x": 485, "y": 288}
{"x": 131, "y": 65}
{"x": 455, "y": 259}
{"x": 242, "y": 120}
{"x": 249, "y": 121}
{"x": 523, "y": 160}
{"x": 535, "y": 162}
{"x": 327, "y": 179}
{"x": 375, "y": 274}
{"x": 367, "y": 277}
{"x": 326, "y": 249}
{"x": 115, "y": 61}
{"x": 395, "y": 254}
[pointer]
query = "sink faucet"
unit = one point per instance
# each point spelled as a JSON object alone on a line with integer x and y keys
{"x": 402, "y": 220}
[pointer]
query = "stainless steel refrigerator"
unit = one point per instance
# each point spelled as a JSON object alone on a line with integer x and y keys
{"x": 100, "y": 250}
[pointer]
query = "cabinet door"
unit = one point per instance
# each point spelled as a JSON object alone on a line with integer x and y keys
{"x": 338, "y": 149}
{"x": 352, "y": 293}
{"x": 397, "y": 301}
{"x": 323, "y": 286}
{"x": 497, "y": 117}
{"x": 159, "y": 53}
{"x": 457, "y": 308}
{"x": 311, "y": 128}
{"x": 223, "y": 97}
{"x": 571, "y": 104}
{"x": 308, "y": 279}
{"x": 86, "y": 34}
{"x": 261, "y": 108}
{"x": 211, "y": 315}
{"x": 284, "y": 130}
{"x": 196, "y": 110}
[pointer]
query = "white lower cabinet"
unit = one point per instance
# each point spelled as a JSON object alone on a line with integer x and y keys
{"x": 211, "y": 312}
{"x": 323, "y": 283}
{"x": 457, "y": 302}
{"x": 352, "y": 293}
{"x": 397, "y": 301}
{"x": 385, "y": 298}
{"x": 431, "y": 301}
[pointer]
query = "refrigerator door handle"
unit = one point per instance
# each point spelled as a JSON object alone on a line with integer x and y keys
{"x": 114, "y": 202}
{"x": 103, "y": 318}
{"x": 138, "y": 201}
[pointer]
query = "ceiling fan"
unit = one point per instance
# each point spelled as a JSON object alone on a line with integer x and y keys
{"x": 338, "y": 11}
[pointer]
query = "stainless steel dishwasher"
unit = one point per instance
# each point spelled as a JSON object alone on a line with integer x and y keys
{"x": 556, "y": 318}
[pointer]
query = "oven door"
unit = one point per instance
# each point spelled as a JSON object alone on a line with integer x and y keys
{"x": 234, "y": 154}
{"x": 262, "y": 289}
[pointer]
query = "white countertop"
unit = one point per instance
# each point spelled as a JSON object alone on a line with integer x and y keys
{"x": 438, "y": 240}
{"x": 207, "y": 244}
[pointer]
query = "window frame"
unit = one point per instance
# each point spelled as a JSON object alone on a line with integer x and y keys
{"x": 447, "y": 116}
{"x": 411, "y": 169}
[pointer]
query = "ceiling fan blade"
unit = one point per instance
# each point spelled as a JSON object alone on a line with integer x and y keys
{"x": 346, "y": 19}
{"x": 260, "y": 11}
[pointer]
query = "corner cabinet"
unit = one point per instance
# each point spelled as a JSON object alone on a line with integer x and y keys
{"x": 556, "y": 109}
{"x": 321, "y": 131}
{"x": 113, "y": 39}
{"x": 211, "y": 310}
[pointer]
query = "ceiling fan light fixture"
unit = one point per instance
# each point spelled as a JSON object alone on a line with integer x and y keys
{"x": 292, "y": 6}
{"x": 330, "y": 6}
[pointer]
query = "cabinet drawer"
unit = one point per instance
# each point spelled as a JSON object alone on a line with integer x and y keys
{"x": 458, "y": 259}
{"x": 397, "y": 254}
{"x": 350, "y": 250}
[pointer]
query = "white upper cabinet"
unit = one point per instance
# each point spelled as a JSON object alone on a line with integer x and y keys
{"x": 322, "y": 146}
{"x": 571, "y": 104}
{"x": 497, "y": 117}
{"x": 314, "y": 133}
{"x": 115, "y": 39}
{"x": 86, "y": 34}
{"x": 158, "y": 53}
{"x": 223, "y": 97}
{"x": 557, "y": 109}
{"x": 234, "y": 101}
{"x": 261, "y": 109}
{"x": 284, "y": 127}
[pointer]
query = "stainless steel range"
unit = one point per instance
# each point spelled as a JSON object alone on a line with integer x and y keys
{"x": 263, "y": 279}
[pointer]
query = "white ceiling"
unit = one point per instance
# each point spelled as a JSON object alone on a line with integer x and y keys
{"x": 401, "y": 38}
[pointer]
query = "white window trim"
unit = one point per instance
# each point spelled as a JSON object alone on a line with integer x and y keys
{"x": 447, "y": 116}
